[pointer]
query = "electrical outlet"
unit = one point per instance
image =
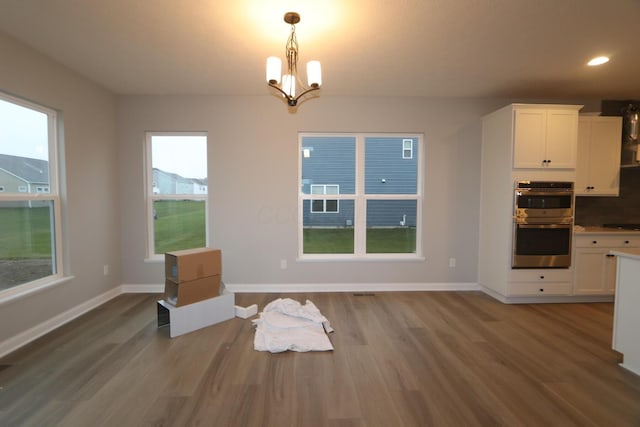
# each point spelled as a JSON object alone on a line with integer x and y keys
{"x": 452, "y": 262}
{"x": 283, "y": 264}
{"x": 106, "y": 269}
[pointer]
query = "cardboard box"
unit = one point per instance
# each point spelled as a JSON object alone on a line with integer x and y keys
{"x": 180, "y": 294}
{"x": 192, "y": 264}
{"x": 188, "y": 318}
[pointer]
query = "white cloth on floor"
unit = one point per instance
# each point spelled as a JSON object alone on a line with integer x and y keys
{"x": 285, "y": 324}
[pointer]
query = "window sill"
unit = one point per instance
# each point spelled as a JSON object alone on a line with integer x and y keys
{"x": 368, "y": 258}
{"x": 23, "y": 291}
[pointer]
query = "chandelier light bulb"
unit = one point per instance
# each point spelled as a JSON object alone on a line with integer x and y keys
{"x": 274, "y": 69}
{"x": 314, "y": 74}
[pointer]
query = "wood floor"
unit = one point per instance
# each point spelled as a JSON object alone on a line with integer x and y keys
{"x": 400, "y": 359}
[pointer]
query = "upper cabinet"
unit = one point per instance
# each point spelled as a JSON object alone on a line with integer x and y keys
{"x": 545, "y": 136}
{"x": 599, "y": 145}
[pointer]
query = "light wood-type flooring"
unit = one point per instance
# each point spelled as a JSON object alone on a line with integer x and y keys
{"x": 400, "y": 359}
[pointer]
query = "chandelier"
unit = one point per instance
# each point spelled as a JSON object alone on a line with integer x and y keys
{"x": 286, "y": 84}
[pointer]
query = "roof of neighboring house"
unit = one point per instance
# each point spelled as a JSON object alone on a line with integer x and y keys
{"x": 201, "y": 181}
{"x": 28, "y": 169}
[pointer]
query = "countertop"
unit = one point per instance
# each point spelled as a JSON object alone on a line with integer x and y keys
{"x": 631, "y": 253}
{"x": 602, "y": 230}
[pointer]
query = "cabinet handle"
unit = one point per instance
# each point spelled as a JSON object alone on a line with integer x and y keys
{"x": 610, "y": 255}
{"x": 626, "y": 242}
{"x": 548, "y": 161}
{"x": 541, "y": 289}
{"x": 542, "y": 277}
{"x": 594, "y": 242}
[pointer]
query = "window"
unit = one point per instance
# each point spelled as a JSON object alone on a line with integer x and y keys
{"x": 407, "y": 149}
{"x": 324, "y": 205}
{"x": 177, "y": 188}
{"x": 376, "y": 196}
{"x": 30, "y": 214}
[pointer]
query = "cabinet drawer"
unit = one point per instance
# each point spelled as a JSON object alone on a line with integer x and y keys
{"x": 542, "y": 275}
{"x": 608, "y": 241}
{"x": 539, "y": 289}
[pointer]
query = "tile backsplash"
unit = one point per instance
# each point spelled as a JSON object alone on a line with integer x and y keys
{"x": 592, "y": 211}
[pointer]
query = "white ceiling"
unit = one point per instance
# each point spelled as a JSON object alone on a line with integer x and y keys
{"x": 477, "y": 48}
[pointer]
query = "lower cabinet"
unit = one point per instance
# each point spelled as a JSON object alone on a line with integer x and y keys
{"x": 540, "y": 282}
{"x": 595, "y": 267}
{"x": 595, "y": 272}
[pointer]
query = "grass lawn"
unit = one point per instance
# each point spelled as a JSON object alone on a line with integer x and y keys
{"x": 25, "y": 233}
{"x": 340, "y": 240}
{"x": 180, "y": 224}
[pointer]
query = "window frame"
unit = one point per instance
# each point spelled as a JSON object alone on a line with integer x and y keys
{"x": 53, "y": 196}
{"x": 151, "y": 196}
{"x": 360, "y": 199}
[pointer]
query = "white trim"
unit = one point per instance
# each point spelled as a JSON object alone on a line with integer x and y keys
{"x": 142, "y": 289}
{"x": 349, "y": 287}
{"x": 556, "y": 299}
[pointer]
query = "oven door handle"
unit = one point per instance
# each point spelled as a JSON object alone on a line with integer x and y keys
{"x": 543, "y": 225}
{"x": 521, "y": 192}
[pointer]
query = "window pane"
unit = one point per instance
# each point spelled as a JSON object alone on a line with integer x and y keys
{"x": 317, "y": 206}
{"x": 179, "y": 168}
{"x": 386, "y": 171}
{"x": 178, "y": 224}
{"x": 24, "y": 149}
{"x": 26, "y": 242}
{"x": 328, "y": 233}
{"x": 391, "y": 226}
{"x": 327, "y": 160}
{"x": 179, "y": 164}
{"x": 331, "y": 205}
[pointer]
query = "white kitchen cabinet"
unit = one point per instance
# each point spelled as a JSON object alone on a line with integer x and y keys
{"x": 545, "y": 136}
{"x": 598, "y": 166}
{"x": 540, "y": 282}
{"x": 595, "y": 267}
{"x": 511, "y": 137}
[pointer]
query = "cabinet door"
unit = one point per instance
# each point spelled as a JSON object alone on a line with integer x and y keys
{"x": 562, "y": 139}
{"x": 583, "y": 170}
{"x": 589, "y": 271}
{"x": 529, "y": 138}
{"x": 604, "y": 156}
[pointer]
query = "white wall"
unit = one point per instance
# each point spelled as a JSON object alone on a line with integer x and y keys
{"x": 91, "y": 173}
{"x": 253, "y": 160}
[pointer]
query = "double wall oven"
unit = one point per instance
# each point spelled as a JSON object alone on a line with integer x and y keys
{"x": 543, "y": 224}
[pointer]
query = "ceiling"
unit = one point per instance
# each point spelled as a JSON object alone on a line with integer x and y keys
{"x": 459, "y": 48}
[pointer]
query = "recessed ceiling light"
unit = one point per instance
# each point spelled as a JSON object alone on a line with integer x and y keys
{"x": 599, "y": 60}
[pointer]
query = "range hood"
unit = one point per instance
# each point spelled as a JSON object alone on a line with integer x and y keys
{"x": 629, "y": 110}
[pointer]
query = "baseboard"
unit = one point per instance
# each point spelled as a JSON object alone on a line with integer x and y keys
{"x": 142, "y": 289}
{"x": 552, "y": 299}
{"x": 349, "y": 287}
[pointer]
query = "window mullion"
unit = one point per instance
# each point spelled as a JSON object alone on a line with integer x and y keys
{"x": 360, "y": 218}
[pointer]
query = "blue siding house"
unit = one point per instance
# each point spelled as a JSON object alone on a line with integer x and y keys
{"x": 329, "y": 167}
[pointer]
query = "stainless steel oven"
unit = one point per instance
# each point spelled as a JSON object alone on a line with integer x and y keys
{"x": 543, "y": 224}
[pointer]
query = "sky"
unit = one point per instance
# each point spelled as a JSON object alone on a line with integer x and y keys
{"x": 184, "y": 155}
{"x": 23, "y": 132}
